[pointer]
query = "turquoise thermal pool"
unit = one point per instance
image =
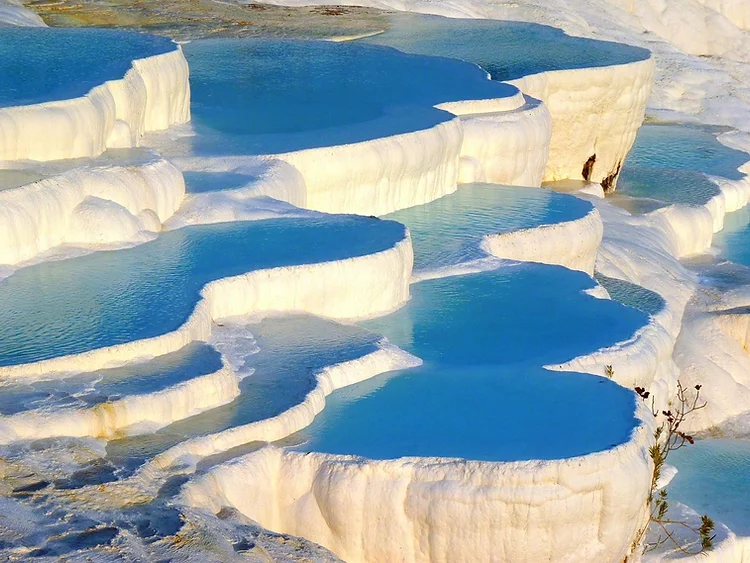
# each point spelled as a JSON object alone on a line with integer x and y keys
{"x": 506, "y": 50}
{"x": 669, "y": 163}
{"x": 632, "y": 295}
{"x": 45, "y": 65}
{"x": 714, "y": 478}
{"x": 278, "y": 374}
{"x": 261, "y": 96}
{"x": 448, "y": 231}
{"x": 72, "y": 306}
{"x": 89, "y": 389}
{"x": 484, "y": 339}
{"x": 482, "y": 392}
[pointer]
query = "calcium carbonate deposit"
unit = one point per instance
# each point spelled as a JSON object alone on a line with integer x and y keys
{"x": 383, "y": 297}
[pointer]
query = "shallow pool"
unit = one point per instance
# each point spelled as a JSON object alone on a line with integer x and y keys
{"x": 714, "y": 478}
{"x": 252, "y": 96}
{"x": 45, "y": 64}
{"x": 89, "y": 389}
{"x": 106, "y": 298}
{"x": 482, "y": 393}
{"x": 505, "y": 49}
{"x": 668, "y": 163}
{"x": 449, "y": 231}
{"x": 632, "y": 295}
{"x": 280, "y": 370}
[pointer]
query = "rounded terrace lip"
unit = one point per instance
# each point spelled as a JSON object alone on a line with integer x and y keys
{"x": 108, "y": 298}
{"x": 55, "y": 64}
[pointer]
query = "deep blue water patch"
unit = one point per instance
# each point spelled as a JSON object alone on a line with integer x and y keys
{"x": 89, "y": 389}
{"x": 482, "y": 393}
{"x": 714, "y": 478}
{"x": 252, "y": 96}
{"x": 106, "y": 298}
{"x": 506, "y": 50}
{"x": 449, "y": 230}
{"x": 44, "y": 64}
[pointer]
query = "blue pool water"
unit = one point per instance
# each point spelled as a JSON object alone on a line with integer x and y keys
{"x": 682, "y": 146}
{"x": 44, "y": 64}
{"x": 89, "y": 389}
{"x": 292, "y": 350}
{"x": 253, "y": 96}
{"x": 448, "y": 231}
{"x": 714, "y": 479}
{"x": 199, "y": 182}
{"x": 107, "y": 298}
{"x": 481, "y": 393}
{"x": 632, "y": 295}
{"x": 506, "y": 50}
{"x": 668, "y": 163}
{"x": 733, "y": 241}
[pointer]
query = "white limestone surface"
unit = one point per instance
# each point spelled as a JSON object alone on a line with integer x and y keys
{"x": 508, "y": 148}
{"x": 340, "y": 289}
{"x": 88, "y": 205}
{"x": 691, "y": 228}
{"x": 383, "y": 175}
{"x": 13, "y": 13}
{"x": 596, "y": 112}
{"x": 153, "y": 94}
{"x": 698, "y": 27}
{"x": 573, "y": 244}
{"x": 133, "y": 414}
{"x": 586, "y": 508}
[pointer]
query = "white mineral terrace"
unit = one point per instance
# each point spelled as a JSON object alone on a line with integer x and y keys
{"x": 153, "y": 94}
{"x": 566, "y": 124}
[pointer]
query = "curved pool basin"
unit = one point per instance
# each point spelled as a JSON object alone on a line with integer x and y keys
{"x": 107, "y": 298}
{"x": 482, "y": 392}
{"x": 51, "y": 64}
{"x": 252, "y": 96}
{"x": 449, "y": 231}
{"x": 506, "y": 50}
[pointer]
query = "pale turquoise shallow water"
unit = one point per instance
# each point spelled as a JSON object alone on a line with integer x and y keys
{"x": 107, "y": 298}
{"x": 714, "y": 478}
{"x": 448, "y": 231}
{"x": 481, "y": 393}
{"x": 292, "y": 350}
{"x": 89, "y": 389}
{"x": 42, "y": 65}
{"x": 632, "y": 295}
{"x": 506, "y": 50}
{"x": 668, "y": 164}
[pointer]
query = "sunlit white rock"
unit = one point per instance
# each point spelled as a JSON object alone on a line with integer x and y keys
{"x": 434, "y": 509}
{"x": 87, "y": 205}
{"x": 153, "y": 94}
